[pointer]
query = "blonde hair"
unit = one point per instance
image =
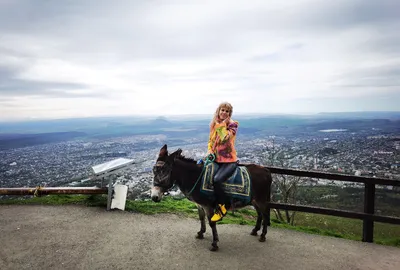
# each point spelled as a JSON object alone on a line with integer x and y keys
{"x": 225, "y": 105}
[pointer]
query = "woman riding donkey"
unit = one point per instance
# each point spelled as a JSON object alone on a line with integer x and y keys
{"x": 221, "y": 143}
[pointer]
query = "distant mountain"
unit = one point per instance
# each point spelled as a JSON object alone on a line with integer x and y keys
{"x": 11, "y": 141}
{"x": 64, "y": 125}
{"x": 108, "y": 127}
{"x": 357, "y": 124}
{"x": 161, "y": 122}
{"x": 360, "y": 115}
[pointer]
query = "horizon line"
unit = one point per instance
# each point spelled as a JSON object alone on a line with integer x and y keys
{"x": 32, "y": 119}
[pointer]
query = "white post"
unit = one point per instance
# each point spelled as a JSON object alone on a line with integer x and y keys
{"x": 110, "y": 189}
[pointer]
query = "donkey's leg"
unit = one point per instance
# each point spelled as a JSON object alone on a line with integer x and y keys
{"x": 258, "y": 223}
{"x": 214, "y": 244}
{"x": 213, "y": 225}
{"x": 202, "y": 215}
{"x": 266, "y": 221}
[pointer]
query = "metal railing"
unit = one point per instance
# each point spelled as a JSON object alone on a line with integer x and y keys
{"x": 39, "y": 191}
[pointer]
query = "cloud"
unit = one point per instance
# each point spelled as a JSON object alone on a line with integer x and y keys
{"x": 149, "y": 57}
{"x": 10, "y": 85}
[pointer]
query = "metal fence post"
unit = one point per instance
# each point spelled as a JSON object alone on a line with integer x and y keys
{"x": 369, "y": 208}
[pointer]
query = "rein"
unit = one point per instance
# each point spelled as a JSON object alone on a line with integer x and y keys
{"x": 210, "y": 158}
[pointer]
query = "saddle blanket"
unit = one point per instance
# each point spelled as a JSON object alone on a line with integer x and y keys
{"x": 237, "y": 186}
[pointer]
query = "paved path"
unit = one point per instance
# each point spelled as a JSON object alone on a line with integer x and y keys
{"x": 76, "y": 237}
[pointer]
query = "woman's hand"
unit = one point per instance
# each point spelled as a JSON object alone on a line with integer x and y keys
{"x": 227, "y": 120}
{"x": 208, "y": 154}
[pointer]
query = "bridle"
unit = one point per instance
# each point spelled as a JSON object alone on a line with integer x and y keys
{"x": 161, "y": 164}
{"x": 210, "y": 158}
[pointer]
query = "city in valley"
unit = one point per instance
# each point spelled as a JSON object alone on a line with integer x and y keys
{"x": 361, "y": 147}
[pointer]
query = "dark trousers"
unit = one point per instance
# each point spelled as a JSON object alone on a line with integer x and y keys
{"x": 224, "y": 172}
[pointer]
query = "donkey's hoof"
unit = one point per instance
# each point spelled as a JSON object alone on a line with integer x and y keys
{"x": 200, "y": 235}
{"x": 214, "y": 248}
{"x": 262, "y": 239}
{"x": 253, "y": 233}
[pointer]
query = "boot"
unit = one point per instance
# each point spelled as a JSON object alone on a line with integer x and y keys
{"x": 219, "y": 213}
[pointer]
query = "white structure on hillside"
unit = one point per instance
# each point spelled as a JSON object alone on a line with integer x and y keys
{"x": 108, "y": 170}
{"x": 111, "y": 167}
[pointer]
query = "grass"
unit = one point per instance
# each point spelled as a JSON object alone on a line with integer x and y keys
{"x": 351, "y": 228}
{"x": 385, "y": 234}
{"x": 57, "y": 200}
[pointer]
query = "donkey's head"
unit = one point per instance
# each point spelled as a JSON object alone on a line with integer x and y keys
{"x": 162, "y": 171}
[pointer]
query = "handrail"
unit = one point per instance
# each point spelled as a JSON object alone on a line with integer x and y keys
{"x": 335, "y": 212}
{"x": 334, "y": 176}
{"x": 52, "y": 190}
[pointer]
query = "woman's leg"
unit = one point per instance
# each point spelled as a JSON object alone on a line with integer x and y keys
{"x": 224, "y": 172}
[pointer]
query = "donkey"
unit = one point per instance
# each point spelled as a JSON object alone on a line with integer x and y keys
{"x": 175, "y": 169}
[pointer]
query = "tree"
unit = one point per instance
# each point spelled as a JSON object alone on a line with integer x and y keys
{"x": 285, "y": 186}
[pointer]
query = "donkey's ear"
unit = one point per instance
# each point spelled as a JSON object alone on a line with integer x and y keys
{"x": 163, "y": 151}
{"x": 176, "y": 154}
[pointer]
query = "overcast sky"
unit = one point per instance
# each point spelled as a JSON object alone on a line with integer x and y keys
{"x": 81, "y": 58}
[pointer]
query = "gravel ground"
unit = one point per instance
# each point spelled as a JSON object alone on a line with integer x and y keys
{"x": 77, "y": 237}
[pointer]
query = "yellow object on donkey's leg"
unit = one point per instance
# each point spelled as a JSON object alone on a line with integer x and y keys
{"x": 219, "y": 213}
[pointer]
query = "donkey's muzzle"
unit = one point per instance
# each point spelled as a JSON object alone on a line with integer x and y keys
{"x": 156, "y": 194}
{"x": 156, "y": 198}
